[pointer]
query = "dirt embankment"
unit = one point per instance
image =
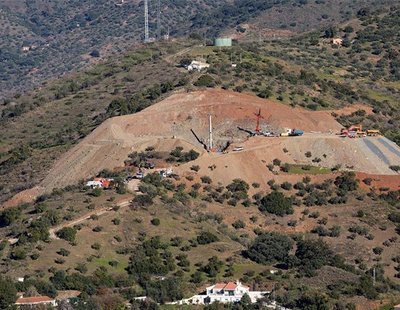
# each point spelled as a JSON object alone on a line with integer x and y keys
{"x": 172, "y": 122}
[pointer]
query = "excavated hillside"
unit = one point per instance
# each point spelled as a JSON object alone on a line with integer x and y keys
{"x": 178, "y": 119}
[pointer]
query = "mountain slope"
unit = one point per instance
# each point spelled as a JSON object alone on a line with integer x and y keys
{"x": 60, "y": 35}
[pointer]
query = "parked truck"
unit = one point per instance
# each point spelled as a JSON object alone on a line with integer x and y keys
{"x": 289, "y": 132}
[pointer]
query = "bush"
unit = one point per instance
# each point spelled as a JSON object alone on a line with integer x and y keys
{"x": 206, "y": 179}
{"x": 238, "y": 224}
{"x": 394, "y": 217}
{"x": 276, "y": 203}
{"x": 63, "y": 252}
{"x": 18, "y": 253}
{"x": 286, "y": 186}
{"x": 312, "y": 255}
{"x": 96, "y": 192}
{"x": 377, "y": 250}
{"x": 155, "y": 221}
{"x": 269, "y": 247}
{"x": 9, "y": 216}
{"x": 195, "y": 168}
{"x": 96, "y": 246}
{"x": 205, "y": 81}
{"x": 67, "y": 233}
{"x": 97, "y": 229}
{"x": 206, "y": 237}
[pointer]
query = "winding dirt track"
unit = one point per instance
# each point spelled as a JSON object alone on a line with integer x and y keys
{"x": 98, "y": 212}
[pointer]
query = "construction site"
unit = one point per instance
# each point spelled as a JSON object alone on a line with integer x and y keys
{"x": 237, "y": 133}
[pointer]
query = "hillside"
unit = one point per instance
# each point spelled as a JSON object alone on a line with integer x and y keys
{"x": 178, "y": 116}
{"x": 314, "y": 219}
{"x": 61, "y": 35}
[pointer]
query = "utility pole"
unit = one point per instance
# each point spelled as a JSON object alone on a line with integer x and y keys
{"x": 158, "y": 19}
{"x": 374, "y": 276}
{"x": 210, "y": 147}
{"x": 146, "y": 21}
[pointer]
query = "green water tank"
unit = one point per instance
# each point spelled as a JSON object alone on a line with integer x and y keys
{"x": 223, "y": 42}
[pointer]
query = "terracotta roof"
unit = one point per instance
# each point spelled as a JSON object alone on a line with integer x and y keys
{"x": 31, "y": 300}
{"x": 219, "y": 285}
{"x": 230, "y": 286}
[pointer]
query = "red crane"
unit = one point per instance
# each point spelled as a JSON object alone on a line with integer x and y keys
{"x": 259, "y": 117}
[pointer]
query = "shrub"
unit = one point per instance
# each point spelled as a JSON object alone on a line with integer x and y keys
{"x": 347, "y": 181}
{"x": 276, "y": 162}
{"x": 96, "y": 246}
{"x": 206, "y": 237}
{"x": 238, "y": 224}
{"x": 67, "y": 233}
{"x": 18, "y": 253}
{"x": 195, "y": 168}
{"x": 206, "y": 179}
{"x": 155, "y": 221}
{"x": 97, "y": 229}
{"x": 394, "y": 217}
{"x": 276, "y": 203}
{"x": 312, "y": 255}
{"x": 286, "y": 186}
{"x": 238, "y": 185}
{"x": 205, "y": 81}
{"x": 377, "y": 250}
{"x": 63, "y": 252}
{"x": 96, "y": 192}
{"x": 9, "y": 216}
{"x": 269, "y": 248}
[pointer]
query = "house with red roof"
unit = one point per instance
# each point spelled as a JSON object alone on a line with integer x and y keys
{"x": 35, "y": 301}
{"x": 231, "y": 292}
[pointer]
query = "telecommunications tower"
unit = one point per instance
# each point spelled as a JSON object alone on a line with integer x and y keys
{"x": 146, "y": 21}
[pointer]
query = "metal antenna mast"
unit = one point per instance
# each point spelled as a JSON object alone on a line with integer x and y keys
{"x": 210, "y": 132}
{"x": 159, "y": 19}
{"x": 146, "y": 21}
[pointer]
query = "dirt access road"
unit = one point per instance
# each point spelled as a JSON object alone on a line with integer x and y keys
{"x": 85, "y": 217}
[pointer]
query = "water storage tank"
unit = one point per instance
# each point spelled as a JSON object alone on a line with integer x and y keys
{"x": 223, "y": 42}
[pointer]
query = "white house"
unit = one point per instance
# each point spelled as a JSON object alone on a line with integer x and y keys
{"x": 230, "y": 292}
{"x": 197, "y": 65}
{"x": 35, "y": 301}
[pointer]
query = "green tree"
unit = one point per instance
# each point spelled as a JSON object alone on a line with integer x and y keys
{"x": 269, "y": 247}
{"x": 9, "y": 216}
{"x": 206, "y": 237}
{"x": 8, "y": 293}
{"x": 67, "y": 233}
{"x": 276, "y": 203}
{"x": 205, "y": 81}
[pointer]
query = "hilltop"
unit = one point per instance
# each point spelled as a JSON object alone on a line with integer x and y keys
{"x": 183, "y": 119}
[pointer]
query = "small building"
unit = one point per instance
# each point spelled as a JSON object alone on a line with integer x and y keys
{"x": 337, "y": 41}
{"x": 231, "y": 292}
{"x": 223, "y": 42}
{"x": 198, "y": 65}
{"x": 99, "y": 183}
{"x": 35, "y": 301}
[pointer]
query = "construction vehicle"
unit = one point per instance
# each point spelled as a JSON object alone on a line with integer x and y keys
{"x": 373, "y": 132}
{"x": 354, "y": 131}
{"x": 289, "y": 132}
